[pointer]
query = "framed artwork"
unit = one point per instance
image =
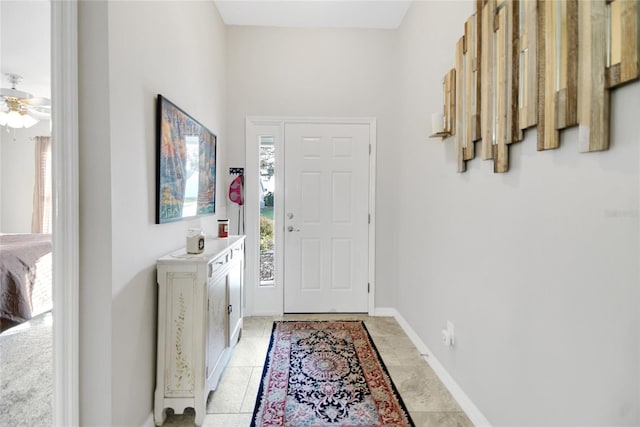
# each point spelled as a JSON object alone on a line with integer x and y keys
{"x": 185, "y": 165}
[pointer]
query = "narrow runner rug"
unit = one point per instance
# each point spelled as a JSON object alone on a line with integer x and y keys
{"x": 325, "y": 374}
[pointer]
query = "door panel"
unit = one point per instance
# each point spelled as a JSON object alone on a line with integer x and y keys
{"x": 326, "y": 217}
{"x": 217, "y": 330}
{"x": 310, "y": 275}
{"x": 341, "y": 262}
{"x": 234, "y": 283}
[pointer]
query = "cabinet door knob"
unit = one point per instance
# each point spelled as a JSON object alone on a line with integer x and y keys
{"x": 229, "y": 309}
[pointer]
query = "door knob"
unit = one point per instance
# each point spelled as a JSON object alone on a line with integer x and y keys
{"x": 291, "y": 229}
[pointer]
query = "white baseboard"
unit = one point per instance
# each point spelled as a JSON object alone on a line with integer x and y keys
{"x": 261, "y": 313}
{"x": 384, "y": 312}
{"x": 467, "y": 405}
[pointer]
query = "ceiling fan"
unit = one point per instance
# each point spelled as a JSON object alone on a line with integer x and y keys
{"x": 20, "y": 109}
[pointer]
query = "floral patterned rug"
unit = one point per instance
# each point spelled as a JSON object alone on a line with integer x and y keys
{"x": 326, "y": 374}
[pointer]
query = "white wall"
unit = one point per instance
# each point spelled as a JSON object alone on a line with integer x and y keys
{"x": 17, "y": 176}
{"x": 95, "y": 228}
{"x": 130, "y": 52}
{"x": 326, "y": 73}
{"x": 537, "y": 268}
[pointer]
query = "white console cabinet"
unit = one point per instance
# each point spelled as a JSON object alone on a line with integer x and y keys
{"x": 199, "y": 322}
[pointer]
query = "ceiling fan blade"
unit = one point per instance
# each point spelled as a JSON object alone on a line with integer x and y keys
{"x": 14, "y": 93}
{"x": 39, "y": 102}
{"x": 39, "y": 109}
{"x": 39, "y": 115}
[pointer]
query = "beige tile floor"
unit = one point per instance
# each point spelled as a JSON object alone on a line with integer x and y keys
{"x": 429, "y": 403}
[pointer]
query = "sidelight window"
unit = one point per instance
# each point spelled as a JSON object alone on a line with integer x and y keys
{"x": 267, "y": 218}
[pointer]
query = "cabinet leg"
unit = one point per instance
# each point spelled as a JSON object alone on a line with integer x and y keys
{"x": 200, "y": 408}
{"x": 199, "y": 417}
{"x": 159, "y": 415}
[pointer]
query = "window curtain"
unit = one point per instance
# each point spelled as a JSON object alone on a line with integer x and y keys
{"x": 41, "y": 220}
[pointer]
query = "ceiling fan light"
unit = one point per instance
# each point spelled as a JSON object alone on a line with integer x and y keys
{"x": 28, "y": 121}
{"x": 14, "y": 119}
{"x": 22, "y": 110}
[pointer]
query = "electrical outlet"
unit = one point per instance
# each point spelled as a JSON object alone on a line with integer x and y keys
{"x": 448, "y": 335}
{"x": 445, "y": 337}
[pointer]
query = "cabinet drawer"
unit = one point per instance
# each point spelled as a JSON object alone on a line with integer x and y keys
{"x": 217, "y": 265}
{"x": 236, "y": 252}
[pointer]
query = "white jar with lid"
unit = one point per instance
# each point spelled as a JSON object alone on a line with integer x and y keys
{"x": 195, "y": 241}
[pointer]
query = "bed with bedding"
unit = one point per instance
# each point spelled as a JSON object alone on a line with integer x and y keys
{"x": 25, "y": 277}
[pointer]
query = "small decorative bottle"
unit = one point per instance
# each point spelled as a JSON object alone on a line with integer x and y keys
{"x": 223, "y": 228}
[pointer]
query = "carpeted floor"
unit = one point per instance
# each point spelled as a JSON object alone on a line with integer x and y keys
{"x": 26, "y": 380}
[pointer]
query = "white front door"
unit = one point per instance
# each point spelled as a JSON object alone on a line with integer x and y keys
{"x": 326, "y": 211}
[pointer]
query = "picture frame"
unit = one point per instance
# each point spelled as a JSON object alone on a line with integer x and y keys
{"x": 185, "y": 165}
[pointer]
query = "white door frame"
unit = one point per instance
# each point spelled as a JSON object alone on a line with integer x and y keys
{"x": 270, "y": 300}
{"x": 64, "y": 150}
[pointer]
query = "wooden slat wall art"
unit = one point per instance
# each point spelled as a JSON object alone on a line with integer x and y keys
{"x": 630, "y": 21}
{"x": 566, "y": 97}
{"x": 500, "y": 148}
{"x": 557, "y": 67}
{"x": 524, "y": 63}
{"x": 548, "y": 136}
{"x": 558, "y": 61}
{"x": 477, "y": 68}
{"x": 514, "y": 133}
{"x": 472, "y": 107}
{"x": 449, "y": 90}
{"x": 528, "y": 80}
{"x": 624, "y": 42}
{"x": 460, "y": 106}
{"x": 468, "y": 151}
{"x": 593, "y": 96}
{"x": 541, "y": 65}
{"x": 487, "y": 113}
